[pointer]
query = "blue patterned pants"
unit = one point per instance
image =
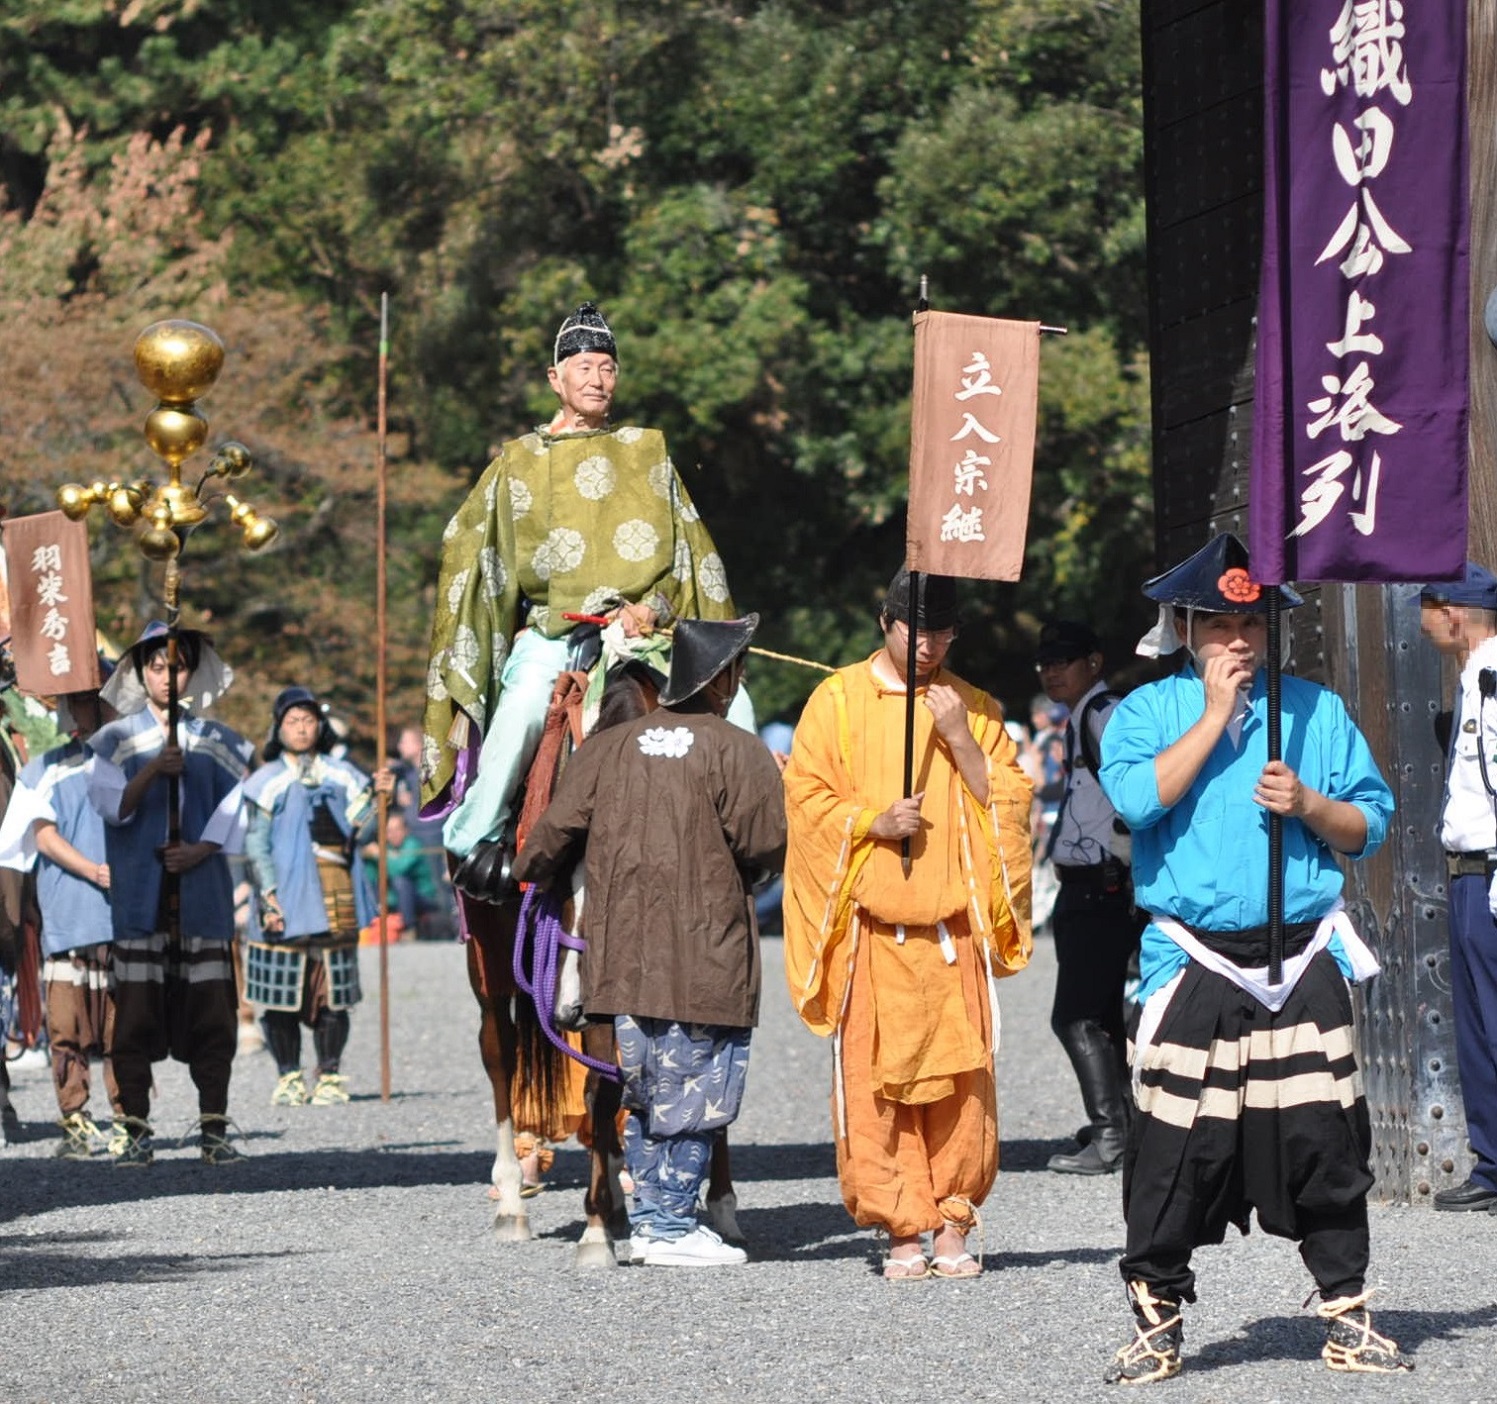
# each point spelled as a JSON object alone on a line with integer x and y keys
{"x": 683, "y": 1083}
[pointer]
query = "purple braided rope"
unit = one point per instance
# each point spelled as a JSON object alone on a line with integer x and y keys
{"x": 540, "y": 920}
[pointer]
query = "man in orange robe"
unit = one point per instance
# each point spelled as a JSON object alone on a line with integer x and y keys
{"x": 897, "y": 967}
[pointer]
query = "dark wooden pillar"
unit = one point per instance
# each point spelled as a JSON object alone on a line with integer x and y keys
{"x": 1203, "y": 111}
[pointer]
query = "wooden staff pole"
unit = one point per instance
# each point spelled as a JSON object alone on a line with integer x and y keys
{"x": 921, "y": 305}
{"x": 173, "y": 880}
{"x": 382, "y": 803}
{"x": 1275, "y": 821}
{"x": 910, "y": 663}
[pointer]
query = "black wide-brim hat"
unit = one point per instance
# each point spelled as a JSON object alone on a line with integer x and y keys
{"x": 1218, "y": 579}
{"x": 700, "y": 650}
{"x": 936, "y": 607}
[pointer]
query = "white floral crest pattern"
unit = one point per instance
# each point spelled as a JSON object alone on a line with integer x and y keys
{"x": 451, "y": 529}
{"x": 436, "y": 689}
{"x": 456, "y": 588}
{"x": 629, "y": 434}
{"x": 660, "y": 478}
{"x": 636, "y": 540}
{"x": 561, "y": 551}
{"x": 713, "y": 578}
{"x": 519, "y": 498}
{"x": 681, "y": 566}
{"x": 675, "y": 743}
{"x": 464, "y": 651}
{"x": 491, "y": 568}
{"x": 601, "y": 600}
{"x": 594, "y": 478}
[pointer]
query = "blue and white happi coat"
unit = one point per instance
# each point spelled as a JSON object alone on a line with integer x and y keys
{"x": 282, "y": 797}
{"x": 217, "y": 760}
{"x": 53, "y": 789}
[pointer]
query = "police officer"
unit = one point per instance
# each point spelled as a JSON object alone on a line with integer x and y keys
{"x": 1460, "y": 618}
{"x": 1094, "y": 926}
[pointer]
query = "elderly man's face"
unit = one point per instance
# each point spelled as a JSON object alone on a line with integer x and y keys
{"x": 584, "y": 384}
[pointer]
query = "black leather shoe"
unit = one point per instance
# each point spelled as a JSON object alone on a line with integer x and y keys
{"x": 1087, "y": 1161}
{"x": 1467, "y": 1196}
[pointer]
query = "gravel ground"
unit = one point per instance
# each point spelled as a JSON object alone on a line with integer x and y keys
{"x": 350, "y": 1258}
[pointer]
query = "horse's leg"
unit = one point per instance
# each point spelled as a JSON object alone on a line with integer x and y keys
{"x": 604, "y": 1203}
{"x": 496, "y": 1044}
{"x": 722, "y": 1202}
{"x": 567, "y": 1010}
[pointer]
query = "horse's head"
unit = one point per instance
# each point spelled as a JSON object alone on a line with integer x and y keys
{"x": 631, "y": 690}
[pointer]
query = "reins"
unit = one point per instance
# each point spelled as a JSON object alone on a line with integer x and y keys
{"x": 540, "y": 928}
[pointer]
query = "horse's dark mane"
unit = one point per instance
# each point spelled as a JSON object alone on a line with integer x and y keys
{"x": 629, "y": 692}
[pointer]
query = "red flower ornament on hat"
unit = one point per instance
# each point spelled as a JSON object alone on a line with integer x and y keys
{"x": 1238, "y": 587}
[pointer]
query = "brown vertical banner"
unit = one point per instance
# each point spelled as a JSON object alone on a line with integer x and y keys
{"x": 51, "y": 604}
{"x": 972, "y": 430}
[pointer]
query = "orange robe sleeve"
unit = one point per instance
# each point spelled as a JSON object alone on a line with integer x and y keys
{"x": 834, "y": 790}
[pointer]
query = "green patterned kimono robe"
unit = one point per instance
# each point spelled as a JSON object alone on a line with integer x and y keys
{"x": 572, "y": 523}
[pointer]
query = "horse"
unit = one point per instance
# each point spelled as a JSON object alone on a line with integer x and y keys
{"x": 525, "y": 1068}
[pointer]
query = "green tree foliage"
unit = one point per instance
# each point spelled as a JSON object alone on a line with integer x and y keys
{"x": 750, "y": 190}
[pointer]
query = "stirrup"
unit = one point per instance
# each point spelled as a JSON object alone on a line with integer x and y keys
{"x": 1352, "y": 1346}
{"x": 1154, "y": 1352}
{"x": 484, "y": 875}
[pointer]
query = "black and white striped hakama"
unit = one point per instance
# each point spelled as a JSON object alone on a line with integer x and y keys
{"x": 1242, "y": 1109}
{"x": 174, "y": 1001}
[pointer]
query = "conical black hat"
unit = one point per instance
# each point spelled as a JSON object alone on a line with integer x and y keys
{"x": 1218, "y": 578}
{"x": 700, "y": 650}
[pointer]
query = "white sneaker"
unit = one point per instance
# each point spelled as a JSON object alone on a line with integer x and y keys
{"x": 699, "y": 1248}
{"x": 639, "y": 1245}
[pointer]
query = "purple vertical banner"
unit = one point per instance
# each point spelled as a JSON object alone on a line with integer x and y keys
{"x": 1362, "y": 394}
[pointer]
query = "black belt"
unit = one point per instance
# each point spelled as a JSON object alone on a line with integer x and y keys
{"x": 1466, "y": 864}
{"x": 1080, "y": 872}
{"x": 1249, "y": 949}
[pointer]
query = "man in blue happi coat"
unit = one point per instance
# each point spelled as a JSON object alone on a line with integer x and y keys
{"x": 173, "y": 997}
{"x": 50, "y": 827}
{"x": 1249, "y": 1095}
{"x": 307, "y": 811}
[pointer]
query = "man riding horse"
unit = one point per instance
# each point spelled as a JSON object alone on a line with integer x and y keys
{"x": 574, "y": 518}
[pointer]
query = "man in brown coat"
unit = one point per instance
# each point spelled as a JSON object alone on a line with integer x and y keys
{"x": 678, "y": 811}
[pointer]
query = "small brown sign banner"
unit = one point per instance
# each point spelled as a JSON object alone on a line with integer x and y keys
{"x": 972, "y": 434}
{"x": 51, "y": 604}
